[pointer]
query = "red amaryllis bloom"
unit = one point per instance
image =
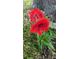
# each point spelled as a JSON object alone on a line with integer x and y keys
{"x": 40, "y": 26}
{"x": 35, "y": 14}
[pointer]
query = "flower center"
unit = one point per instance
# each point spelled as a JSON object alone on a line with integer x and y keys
{"x": 41, "y": 25}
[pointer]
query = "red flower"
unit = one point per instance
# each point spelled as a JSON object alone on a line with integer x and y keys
{"x": 41, "y": 26}
{"x": 35, "y": 14}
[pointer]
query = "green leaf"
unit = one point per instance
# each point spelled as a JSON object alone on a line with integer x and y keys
{"x": 49, "y": 45}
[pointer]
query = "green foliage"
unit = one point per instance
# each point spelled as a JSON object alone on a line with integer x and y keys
{"x": 45, "y": 39}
